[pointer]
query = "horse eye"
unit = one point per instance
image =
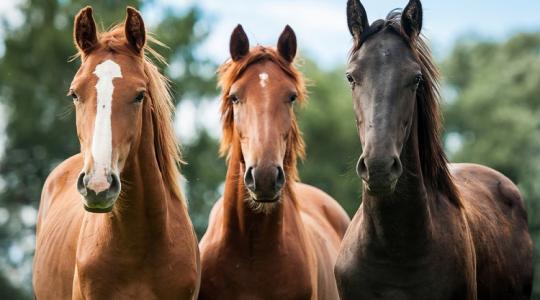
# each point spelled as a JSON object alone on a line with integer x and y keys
{"x": 418, "y": 78}
{"x": 140, "y": 97}
{"x": 234, "y": 99}
{"x": 293, "y": 98}
{"x": 73, "y": 95}
{"x": 350, "y": 78}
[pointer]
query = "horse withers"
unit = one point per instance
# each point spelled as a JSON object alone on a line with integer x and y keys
{"x": 269, "y": 237}
{"x": 425, "y": 229}
{"x": 112, "y": 222}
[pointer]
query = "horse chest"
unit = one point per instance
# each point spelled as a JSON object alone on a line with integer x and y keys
{"x": 271, "y": 276}
{"x": 360, "y": 274}
{"x": 148, "y": 279}
{"x": 392, "y": 283}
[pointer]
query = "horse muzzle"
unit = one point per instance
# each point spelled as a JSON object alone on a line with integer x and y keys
{"x": 264, "y": 184}
{"x": 99, "y": 195}
{"x": 380, "y": 175}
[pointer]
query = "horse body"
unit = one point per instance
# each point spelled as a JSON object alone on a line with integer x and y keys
{"x": 269, "y": 237}
{"x": 498, "y": 223}
{"x": 81, "y": 255}
{"x": 409, "y": 245}
{"x": 418, "y": 245}
{"x": 425, "y": 229}
{"x": 287, "y": 254}
{"x": 144, "y": 245}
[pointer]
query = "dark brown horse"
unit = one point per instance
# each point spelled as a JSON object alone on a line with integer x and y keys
{"x": 269, "y": 237}
{"x": 130, "y": 237}
{"x": 425, "y": 229}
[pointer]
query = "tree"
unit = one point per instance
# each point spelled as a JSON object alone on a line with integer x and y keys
{"x": 205, "y": 173}
{"x": 333, "y": 145}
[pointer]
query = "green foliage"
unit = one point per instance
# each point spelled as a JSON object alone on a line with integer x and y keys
{"x": 333, "y": 146}
{"x": 205, "y": 173}
{"x": 497, "y": 113}
{"x": 7, "y": 291}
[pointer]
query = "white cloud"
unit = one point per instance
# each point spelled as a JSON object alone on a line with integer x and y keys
{"x": 9, "y": 13}
{"x": 184, "y": 121}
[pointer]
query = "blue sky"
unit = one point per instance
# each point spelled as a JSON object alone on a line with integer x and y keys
{"x": 321, "y": 25}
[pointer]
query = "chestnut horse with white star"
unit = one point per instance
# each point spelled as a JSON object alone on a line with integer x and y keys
{"x": 130, "y": 237}
{"x": 269, "y": 237}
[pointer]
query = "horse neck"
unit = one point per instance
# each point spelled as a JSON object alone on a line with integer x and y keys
{"x": 401, "y": 221}
{"x": 141, "y": 214}
{"x": 241, "y": 222}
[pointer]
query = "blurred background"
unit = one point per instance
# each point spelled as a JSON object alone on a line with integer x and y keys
{"x": 489, "y": 55}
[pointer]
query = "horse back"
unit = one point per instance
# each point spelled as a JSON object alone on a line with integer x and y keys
{"x": 57, "y": 230}
{"x": 498, "y": 222}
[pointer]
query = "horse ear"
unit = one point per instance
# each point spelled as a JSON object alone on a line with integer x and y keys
{"x": 287, "y": 44}
{"x": 411, "y": 18}
{"x": 239, "y": 44}
{"x": 134, "y": 29}
{"x": 356, "y": 18}
{"x": 84, "y": 30}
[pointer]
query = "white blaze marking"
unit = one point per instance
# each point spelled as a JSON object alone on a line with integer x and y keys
{"x": 264, "y": 78}
{"x": 102, "y": 139}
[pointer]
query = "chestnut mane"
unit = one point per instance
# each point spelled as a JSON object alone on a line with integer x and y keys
{"x": 230, "y": 72}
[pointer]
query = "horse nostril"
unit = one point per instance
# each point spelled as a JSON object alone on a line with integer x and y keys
{"x": 361, "y": 168}
{"x": 249, "y": 179}
{"x": 280, "y": 179}
{"x": 396, "y": 167}
{"x": 81, "y": 184}
{"x": 113, "y": 179}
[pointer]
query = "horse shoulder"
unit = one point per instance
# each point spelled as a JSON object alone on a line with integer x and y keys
{"x": 59, "y": 202}
{"x": 59, "y": 220}
{"x": 325, "y": 223}
{"x": 57, "y": 182}
{"x": 322, "y": 207}
{"x": 209, "y": 248}
{"x": 215, "y": 222}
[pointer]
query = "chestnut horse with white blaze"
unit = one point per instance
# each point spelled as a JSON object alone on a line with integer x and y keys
{"x": 130, "y": 237}
{"x": 426, "y": 229}
{"x": 269, "y": 236}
